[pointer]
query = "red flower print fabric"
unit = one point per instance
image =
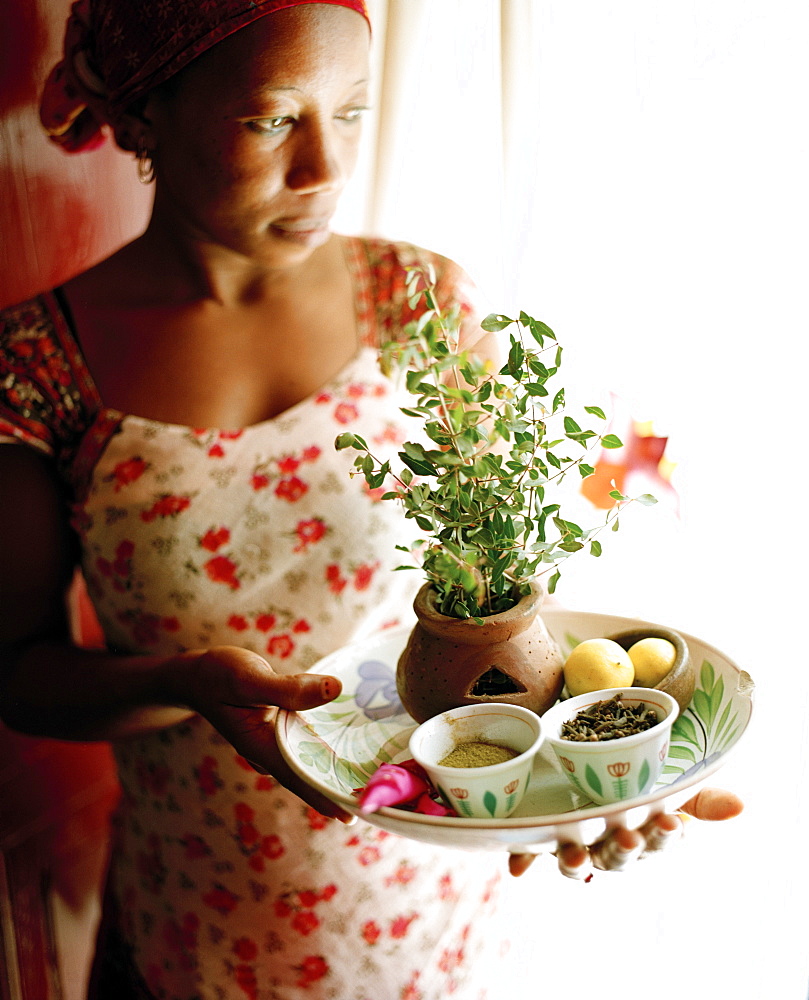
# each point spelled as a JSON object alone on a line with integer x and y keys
{"x": 230, "y": 886}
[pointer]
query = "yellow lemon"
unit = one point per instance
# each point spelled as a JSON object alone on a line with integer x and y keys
{"x": 653, "y": 659}
{"x": 596, "y": 664}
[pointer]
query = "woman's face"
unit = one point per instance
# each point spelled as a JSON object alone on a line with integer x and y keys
{"x": 255, "y": 140}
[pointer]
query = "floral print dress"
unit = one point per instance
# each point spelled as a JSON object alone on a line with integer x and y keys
{"x": 229, "y": 886}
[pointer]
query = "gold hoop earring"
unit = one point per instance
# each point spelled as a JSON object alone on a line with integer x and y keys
{"x": 144, "y": 163}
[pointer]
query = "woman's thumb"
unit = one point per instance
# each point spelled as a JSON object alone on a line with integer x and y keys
{"x": 297, "y": 692}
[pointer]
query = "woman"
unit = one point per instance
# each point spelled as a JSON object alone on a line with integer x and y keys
{"x": 177, "y": 406}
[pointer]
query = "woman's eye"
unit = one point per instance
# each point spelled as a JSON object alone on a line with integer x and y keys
{"x": 271, "y": 126}
{"x": 352, "y": 114}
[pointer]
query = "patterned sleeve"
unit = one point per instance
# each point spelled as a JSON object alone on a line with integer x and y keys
{"x": 40, "y": 400}
{"x": 388, "y": 263}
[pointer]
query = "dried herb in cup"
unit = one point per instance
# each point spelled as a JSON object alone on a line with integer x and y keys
{"x": 608, "y": 720}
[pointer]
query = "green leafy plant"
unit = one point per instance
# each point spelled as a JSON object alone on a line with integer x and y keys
{"x": 481, "y": 487}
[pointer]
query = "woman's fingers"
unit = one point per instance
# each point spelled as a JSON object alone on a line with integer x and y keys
{"x": 518, "y": 864}
{"x": 713, "y": 805}
{"x": 574, "y": 861}
{"x": 618, "y": 850}
{"x": 621, "y": 847}
{"x": 258, "y": 744}
{"x": 661, "y": 832}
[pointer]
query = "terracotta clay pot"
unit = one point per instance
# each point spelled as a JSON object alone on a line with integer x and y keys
{"x": 449, "y": 662}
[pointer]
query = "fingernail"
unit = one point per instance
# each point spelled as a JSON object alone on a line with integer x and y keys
{"x": 615, "y": 856}
{"x": 257, "y": 767}
{"x": 574, "y": 861}
{"x": 329, "y": 688}
{"x": 348, "y": 821}
{"x": 583, "y": 871}
{"x": 658, "y": 837}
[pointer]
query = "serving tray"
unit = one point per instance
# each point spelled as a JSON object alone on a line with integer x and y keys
{"x": 337, "y": 747}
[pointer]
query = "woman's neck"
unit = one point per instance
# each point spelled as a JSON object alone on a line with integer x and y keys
{"x": 173, "y": 270}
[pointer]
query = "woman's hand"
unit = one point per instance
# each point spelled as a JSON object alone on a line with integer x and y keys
{"x": 239, "y": 693}
{"x": 621, "y": 847}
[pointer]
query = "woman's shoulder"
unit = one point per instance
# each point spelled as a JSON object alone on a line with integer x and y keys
{"x": 393, "y": 258}
{"x": 30, "y": 319}
{"x": 44, "y": 393}
{"x": 383, "y": 267}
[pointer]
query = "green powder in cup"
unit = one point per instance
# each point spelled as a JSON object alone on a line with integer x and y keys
{"x": 477, "y": 754}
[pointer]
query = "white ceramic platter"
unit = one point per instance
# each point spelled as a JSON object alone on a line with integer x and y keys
{"x": 337, "y": 747}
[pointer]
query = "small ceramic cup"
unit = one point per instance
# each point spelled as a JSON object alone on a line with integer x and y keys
{"x": 494, "y": 790}
{"x": 612, "y": 770}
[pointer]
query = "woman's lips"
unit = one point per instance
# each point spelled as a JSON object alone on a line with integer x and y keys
{"x": 305, "y": 231}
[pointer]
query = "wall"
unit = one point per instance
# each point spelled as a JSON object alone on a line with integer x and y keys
{"x": 58, "y": 214}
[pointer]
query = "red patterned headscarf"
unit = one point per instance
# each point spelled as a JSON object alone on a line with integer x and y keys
{"x": 118, "y": 50}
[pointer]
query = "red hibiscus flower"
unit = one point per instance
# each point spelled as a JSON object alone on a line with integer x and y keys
{"x": 127, "y": 472}
{"x": 247, "y": 834}
{"x": 220, "y": 569}
{"x": 260, "y": 481}
{"x": 371, "y": 931}
{"x": 246, "y": 980}
{"x": 245, "y": 949}
{"x": 288, "y": 465}
{"x": 166, "y": 506}
{"x": 195, "y": 847}
{"x": 208, "y": 776}
{"x": 344, "y": 413}
{"x": 265, "y": 622}
{"x": 291, "y": 489}
{"x": 363, "y": 576}
{"x": 221, "y": 899}
{"x": 238, "y": 623}
{"x": 305, "y": 921}
{"x": 243, "y": 812}
{"x": 355, "y": 390}
{"x": 216, "y": 451}
{"x": 335, "y": 578}
{"x": 214, "y": 538}
{"x": 309, "y": 532}
{"x": 314, "y": 967}
{"x": 271, "y": 847}
{"x": 369, "y": 856}
{"x": 400, "y": 926}
{"x": 311, "y": 453}
{"x": 301, "y": 625}
{"x": 316, "y": 820}
{"x": 280, "y": 646}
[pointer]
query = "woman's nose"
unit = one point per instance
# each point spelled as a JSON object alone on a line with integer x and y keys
{"x": 316, "y": 163}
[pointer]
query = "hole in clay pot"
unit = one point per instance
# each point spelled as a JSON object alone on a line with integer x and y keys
{"x": 493, "y": 684}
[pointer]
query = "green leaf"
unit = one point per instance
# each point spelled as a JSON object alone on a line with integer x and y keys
{"x": 643, "y": 776}
{"x": 646, "y": 499}
{"x": 495, "y": 322}
{"x": 593, "y": 780}
{"x": 595, "y": 548}
{"x": 349, "y": 440}
{"x": 596, "y": 411}
{"x": 611, "y": 441}
{"x": 490, "y": 801}
{"x": 684, "y": 729}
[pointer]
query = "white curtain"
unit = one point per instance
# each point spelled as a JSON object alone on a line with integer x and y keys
{"x": 636, "y": 175}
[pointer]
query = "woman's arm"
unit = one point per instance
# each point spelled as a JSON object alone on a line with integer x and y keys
{"x": 49, "y": 687}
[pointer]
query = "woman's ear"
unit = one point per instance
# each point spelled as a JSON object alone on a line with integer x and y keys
{"x": 133, "y": 128}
